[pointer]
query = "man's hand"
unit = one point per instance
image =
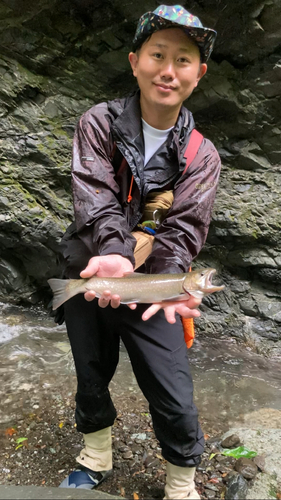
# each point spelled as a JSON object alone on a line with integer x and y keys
{"x": 107, "y": 266}
{"x": 186, "y": 308}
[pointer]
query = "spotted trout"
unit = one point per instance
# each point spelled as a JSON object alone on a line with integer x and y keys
{"x": 137, "y": 287}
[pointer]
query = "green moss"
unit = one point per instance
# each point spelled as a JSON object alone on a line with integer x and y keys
{"x": 19, "y": 190}
{"x": 28, "y": 202}
{"x": 272, "y": 491}
{"x": 29, "y": 77}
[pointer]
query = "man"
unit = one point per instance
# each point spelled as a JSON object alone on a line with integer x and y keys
{"x": 124, "y": 151}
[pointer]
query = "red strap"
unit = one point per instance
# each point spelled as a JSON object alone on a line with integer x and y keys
{"x": 129, "y": 199}
{"x": 192, "y": 148}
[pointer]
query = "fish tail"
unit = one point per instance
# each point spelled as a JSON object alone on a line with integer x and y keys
{"x": 61, "y": 291}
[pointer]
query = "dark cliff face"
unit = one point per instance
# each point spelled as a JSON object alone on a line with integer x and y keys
{"x": 58, "y": 58}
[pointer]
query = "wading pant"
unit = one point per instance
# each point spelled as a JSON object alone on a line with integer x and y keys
{"x": 159, "y": 360}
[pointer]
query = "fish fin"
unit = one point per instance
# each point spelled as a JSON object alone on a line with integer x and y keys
{"x": 196, "y": 293}
{"x": 176, "y": 298}
{"x": 130, "y": 274}
{"x": 185, "y": 296}
{"x": 60, "y": 291}
{"x": 131, "y": 301}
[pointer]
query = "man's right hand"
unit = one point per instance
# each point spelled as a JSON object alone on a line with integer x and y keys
{"x": 107, "y": 266}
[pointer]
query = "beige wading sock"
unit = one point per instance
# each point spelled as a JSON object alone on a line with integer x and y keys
{"x": 180, "y": 483}
{"x": 97, "y": 454}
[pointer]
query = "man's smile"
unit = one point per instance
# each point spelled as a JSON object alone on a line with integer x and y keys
{"x": 164, "y": 87}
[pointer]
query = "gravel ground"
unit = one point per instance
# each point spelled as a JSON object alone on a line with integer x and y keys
{"x": 48, "y": 454}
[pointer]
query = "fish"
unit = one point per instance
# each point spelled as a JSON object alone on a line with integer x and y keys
{"x": 139, "y": 288}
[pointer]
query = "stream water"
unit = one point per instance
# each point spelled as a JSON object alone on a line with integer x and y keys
{"x": 232, "y": 384}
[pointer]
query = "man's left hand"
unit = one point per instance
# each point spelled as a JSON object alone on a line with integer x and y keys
{"x": 186, "y": 309}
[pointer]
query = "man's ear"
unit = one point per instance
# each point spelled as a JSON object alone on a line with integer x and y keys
{"x": 133, "y": 59}
{"x": 202, "y": 71}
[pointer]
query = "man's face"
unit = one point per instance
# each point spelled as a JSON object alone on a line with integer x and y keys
{"x": 167, "y": 68}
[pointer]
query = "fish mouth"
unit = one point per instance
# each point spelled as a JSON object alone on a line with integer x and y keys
{"x": 209, "y": 276}
{"x": 202, "y": 283}
{"x": 207, "y": 285}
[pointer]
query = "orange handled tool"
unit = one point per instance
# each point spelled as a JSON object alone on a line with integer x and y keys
{"x": 188, "y": 329}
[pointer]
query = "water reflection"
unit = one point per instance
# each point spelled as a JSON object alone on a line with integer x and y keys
{"x": 230, "y": 382}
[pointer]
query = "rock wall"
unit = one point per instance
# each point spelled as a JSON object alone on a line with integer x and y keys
{"x": 58, "y": 58}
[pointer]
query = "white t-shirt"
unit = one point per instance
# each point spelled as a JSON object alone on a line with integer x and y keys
{"x": 153, "y": 139}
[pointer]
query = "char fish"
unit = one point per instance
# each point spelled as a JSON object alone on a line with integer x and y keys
{"x": 137, "y": 287}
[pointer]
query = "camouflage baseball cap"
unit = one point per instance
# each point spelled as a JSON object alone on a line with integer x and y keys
{"x": 169, "y": 16}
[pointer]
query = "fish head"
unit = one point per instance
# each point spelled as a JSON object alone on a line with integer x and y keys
{"x": 199, "y": 282}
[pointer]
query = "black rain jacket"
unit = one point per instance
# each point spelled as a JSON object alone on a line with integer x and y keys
{"x": 106, "y": 134}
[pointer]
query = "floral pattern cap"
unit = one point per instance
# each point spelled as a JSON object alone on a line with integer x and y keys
{"x": 167, "y": 16}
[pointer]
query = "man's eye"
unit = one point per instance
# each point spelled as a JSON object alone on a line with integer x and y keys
{"x": 157, "y": 55}
{"x": 183, "y": 60}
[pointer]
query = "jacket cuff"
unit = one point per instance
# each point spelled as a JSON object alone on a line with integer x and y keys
{"x": 156, "y": 265}
{"x": 119, "y": 250}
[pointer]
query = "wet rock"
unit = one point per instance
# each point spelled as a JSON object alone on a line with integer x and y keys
{"x": 213, "y": 443}
{"x": 154, "y": 445}
{"x": 136, "y": 449}
{"x": 259, "y": 460}
{"x": 139, "y": 437}
{"x": 47, "y": 439}
{"x": 151, "y": 461}
{"x": 229, "y": 476}
{"x": 200, "y": 477}
{"x": 228, "y": 461}
{"x": 215, "y": 479}
{"x": 123, "y": 448}
{"x": 237, "y": 488}
{"x": 231, "y": 441}
{"x": 224, "y": 464}
{"x": 202, "y": 468}
{"x": 210, "y": 494}
{"x": 211, "y": 487}
{"x": 246, "y": 467}
{"x": 222, "y": 469}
